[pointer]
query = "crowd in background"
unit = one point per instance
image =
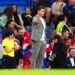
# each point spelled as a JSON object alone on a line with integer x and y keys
{"x": 16, "y": 39}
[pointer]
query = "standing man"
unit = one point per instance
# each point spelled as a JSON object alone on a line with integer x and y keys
{"x": 38, "y": 38}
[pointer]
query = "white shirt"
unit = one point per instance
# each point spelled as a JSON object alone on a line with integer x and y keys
{"x": 44, "y": 25}
{"x": 72, "y": 61}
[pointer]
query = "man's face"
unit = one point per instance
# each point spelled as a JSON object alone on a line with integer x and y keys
{"x": 20, "y": 32}
{"x": 68, "y": 42}
{"x": 42, "y": 12}
{"x": 67, "y": 34}
{"x": 72, "y": 53}
{"x": 11, "y": 25}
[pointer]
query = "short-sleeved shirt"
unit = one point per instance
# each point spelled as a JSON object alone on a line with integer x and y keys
{"x": 10, "y": 45}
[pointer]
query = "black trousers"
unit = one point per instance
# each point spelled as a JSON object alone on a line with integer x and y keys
{"x": 8, "y": 62}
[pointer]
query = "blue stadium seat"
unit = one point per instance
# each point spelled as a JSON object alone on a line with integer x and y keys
{"x": 9, "y": 2}
{"x": 21, "y": 4}
{"x": 49, "y": 29}
{"x": 48, "y": 34}
{"x": 47, "y": 40}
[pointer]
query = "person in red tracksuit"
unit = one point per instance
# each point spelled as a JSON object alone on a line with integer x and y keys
{"x": 27, "y": 38}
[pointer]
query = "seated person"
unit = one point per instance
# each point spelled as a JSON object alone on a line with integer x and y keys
{"x": 49, "y": 53}
{"x": 70, "y": 62}
{"x": 27, "y": 57}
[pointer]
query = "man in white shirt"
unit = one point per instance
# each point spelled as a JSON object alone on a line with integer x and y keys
{"x": 38, "y": 38}
{"x": 71, "y": 58}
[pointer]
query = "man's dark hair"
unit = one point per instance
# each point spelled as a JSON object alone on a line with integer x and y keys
{"x": 30, "y": 8}
{"x": 70, "y": 49}
{"x": 51, "y": 40}
{"x": 9, "y": 32}
{"x": 57, "y": 37}
{"x": 69, "y": 46}
{"x": 19, "y": 29}
{"x": 40, "y": 7}
{"x": 65, "y": 40}
{"x": 61, "y": 18}
{"x": 64, "y": 30}
{"x": 8, "y": 22}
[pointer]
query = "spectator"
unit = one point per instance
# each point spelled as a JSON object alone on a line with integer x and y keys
{"x": 9, "y": 25}
{"x": 27, "y": 39}
{"x": 20, "y": 36}
{"x": 65, "y": 34}
{"x": 8, "y": 44}
{"x": 48, "y": 15}
{"x": 70, "y": 46}
{"x": 67, "y": 42}
{"x": 69, "y": 11}
{"x": 27, "y": 57}
{"x": 17, "y": 17}
{"x": 54, "y": 21}
{"x": 60, "y": 57}
{"x": 56, "y": 42}
{"x": 18, "y": 53}
{"x": 27, "y": 17}
{"x": 57, "y": 7}
{"x": 70, "y": 61}
{"x": 49, "y": 53}
{"x": 62, "y": 25}
{"x": 5, "y": 16}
